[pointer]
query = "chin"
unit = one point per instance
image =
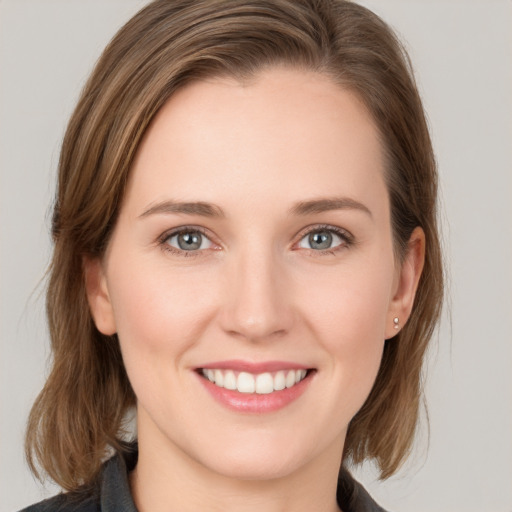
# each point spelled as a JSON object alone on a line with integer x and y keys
{"x": 259, "y": 468}
{"x": 257, "y": 459}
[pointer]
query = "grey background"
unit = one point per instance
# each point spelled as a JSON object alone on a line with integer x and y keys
{"x": 462, "y": 51}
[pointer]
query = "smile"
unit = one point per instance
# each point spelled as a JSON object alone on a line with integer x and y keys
{"x": 249, "y": 387}
{"x": 261, "y": 383}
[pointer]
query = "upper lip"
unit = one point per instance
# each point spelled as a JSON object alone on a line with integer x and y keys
{"x": 254, "y": 367}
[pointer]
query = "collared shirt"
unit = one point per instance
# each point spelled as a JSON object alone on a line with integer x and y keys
{"x": 112, "y": 492}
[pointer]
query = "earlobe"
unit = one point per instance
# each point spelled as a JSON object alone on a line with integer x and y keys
{"x": 407, "y": 283}
{"x": 98, "y": 295}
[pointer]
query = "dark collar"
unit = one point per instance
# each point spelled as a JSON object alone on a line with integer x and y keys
{"x": 115, "y": 495}
{"x": 352, "y": 496}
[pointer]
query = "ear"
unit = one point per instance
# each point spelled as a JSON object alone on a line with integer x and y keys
{"x": 406, "y": 283}
{"x": 98, "y": 295}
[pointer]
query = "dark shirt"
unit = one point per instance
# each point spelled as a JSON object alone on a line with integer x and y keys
{"x": 112, "y": 492}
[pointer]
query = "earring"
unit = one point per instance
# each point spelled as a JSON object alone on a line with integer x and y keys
{"x": 396, "y": 322}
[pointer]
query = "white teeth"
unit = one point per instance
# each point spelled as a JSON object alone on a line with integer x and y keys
{"x": 279, "y": 381}
{"x": 229, "y": 380}
{"x": 219, "y": 378}
{"x": 290, "y": 379}
{"x": 263, "y": 383}
{"x": 245, "y": 383}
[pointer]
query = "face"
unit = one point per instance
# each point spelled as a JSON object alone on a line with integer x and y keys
{"x": 251, "y": 276}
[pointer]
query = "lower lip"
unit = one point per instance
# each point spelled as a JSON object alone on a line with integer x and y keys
{"x": 254, "y": 402}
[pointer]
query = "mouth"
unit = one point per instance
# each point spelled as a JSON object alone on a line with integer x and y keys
{"x": 260, "y": 383}
{"x": 255, "y": 387}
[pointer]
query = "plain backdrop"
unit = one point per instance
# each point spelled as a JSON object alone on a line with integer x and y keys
{"x": 462, "y": 52}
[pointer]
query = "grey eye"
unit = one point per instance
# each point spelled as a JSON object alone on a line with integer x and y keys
{"x": 321, "y": 240}
{"x": 189, "y": 241}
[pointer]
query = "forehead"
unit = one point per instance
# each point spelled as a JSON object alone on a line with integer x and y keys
{"x": 285, "y": 130}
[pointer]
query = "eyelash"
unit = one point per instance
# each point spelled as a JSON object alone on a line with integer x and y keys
{"x": 346, "y": 237}
{"x": 185, "y": 229}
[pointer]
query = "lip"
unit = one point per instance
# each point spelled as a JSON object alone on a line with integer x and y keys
{"x": 253, "y": 367}
{"x": 254, "y": 402}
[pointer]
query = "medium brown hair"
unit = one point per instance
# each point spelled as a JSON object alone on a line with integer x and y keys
{"x": 78, "y": 417}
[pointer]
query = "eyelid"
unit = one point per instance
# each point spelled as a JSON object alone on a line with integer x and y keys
{"x": 345, "y": 235}
{"x": 164, "y": 237}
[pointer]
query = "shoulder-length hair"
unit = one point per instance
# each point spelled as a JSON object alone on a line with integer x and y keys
{"x": 78, "y": 417}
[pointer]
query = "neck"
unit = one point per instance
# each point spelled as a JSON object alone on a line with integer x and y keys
{"x": 167, "y": 479}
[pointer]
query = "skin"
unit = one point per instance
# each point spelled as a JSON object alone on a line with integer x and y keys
{"x": 256, "y": 290}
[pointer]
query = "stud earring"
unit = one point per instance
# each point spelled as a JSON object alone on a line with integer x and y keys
{"x": 396, "y": 322}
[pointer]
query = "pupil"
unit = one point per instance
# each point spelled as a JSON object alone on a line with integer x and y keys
{"x": 320, "y": 240}
{"x": 189, "y": 241}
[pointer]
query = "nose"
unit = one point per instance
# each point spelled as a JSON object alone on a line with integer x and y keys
{"x": 257, "y": 305}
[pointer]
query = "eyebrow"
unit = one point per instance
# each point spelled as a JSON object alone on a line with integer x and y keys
{"x": 302, "y": 208}
{"x": 328, "y": 204}
{"x": 189, "y": 208}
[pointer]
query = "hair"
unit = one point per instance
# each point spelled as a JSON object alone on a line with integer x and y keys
{"x": 78, "y": 418}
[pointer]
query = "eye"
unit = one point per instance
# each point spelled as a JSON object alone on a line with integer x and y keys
{"x": 187, "y": 240}
{"x": 324, "y": 239}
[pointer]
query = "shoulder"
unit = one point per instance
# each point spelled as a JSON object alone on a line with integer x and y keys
{"x": 110, "y": 492}
{"x": 67, "y": 503}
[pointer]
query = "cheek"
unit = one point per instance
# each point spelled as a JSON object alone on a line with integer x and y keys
{"x": 351, "y": 305}
{"x": 158, "y": 311}
{"x": 349, "y": 313}
{"x": 160, "y": 315}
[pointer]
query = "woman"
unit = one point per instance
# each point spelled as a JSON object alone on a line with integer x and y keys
{"x": 246, "y": 253}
